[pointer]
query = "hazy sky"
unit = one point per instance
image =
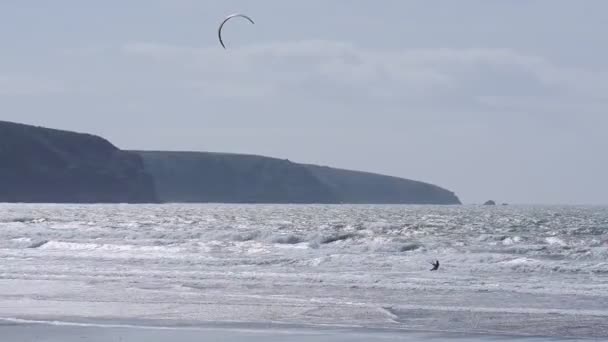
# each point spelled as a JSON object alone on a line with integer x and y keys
{"x": 490, "y": 98}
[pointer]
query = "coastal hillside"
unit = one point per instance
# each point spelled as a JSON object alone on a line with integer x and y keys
{"x": 364, "y": 187}
{"x": 224, "y": 177}
{"x": 48, "y": 165}
{"x": 40, "y": 164}
{"x": 232, "y": 178}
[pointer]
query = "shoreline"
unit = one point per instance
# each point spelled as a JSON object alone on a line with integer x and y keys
{"x": 73, "y": 329}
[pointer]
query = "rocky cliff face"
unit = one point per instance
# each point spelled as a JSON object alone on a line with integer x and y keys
{"x": 231, "y": 178}
{"x": 363, "y": 187}
{"x": 47, "y": 165}
{"x": 217, "y": 177}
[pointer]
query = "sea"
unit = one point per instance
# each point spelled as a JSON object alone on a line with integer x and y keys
{"x": 511, "y": 271}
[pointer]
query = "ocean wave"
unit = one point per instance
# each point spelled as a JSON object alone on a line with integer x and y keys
{"x": 38, "y": 244}
{"x": 245, "y": 236}
{"x": 552, "y": 240}
{"x": 108, "y": 249}
{"x": 335, "y": 237}
{"x": 287, "y": 239}
{"x": 24, "y": 219}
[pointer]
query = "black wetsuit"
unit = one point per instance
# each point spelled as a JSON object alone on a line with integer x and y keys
{"x": 435, "y": 265}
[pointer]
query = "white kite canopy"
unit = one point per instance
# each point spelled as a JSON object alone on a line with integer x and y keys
{"x": 219, "y": 30}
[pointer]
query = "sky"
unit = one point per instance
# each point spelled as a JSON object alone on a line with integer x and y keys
{"x": 491, "y": 99}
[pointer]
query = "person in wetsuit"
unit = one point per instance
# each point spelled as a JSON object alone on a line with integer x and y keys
{"x": 435, "y": 265}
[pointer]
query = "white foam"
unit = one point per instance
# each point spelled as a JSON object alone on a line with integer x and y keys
{"x": 304, "y": 263}
{"x": 555, "y": 241}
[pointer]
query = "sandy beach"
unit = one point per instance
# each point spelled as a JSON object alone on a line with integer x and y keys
{"x": 54, "y": 331}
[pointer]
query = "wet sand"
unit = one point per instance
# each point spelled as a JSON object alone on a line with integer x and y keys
{"x": 16, "y": 331}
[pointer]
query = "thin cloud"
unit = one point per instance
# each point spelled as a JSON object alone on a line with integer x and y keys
{"x": 24, "y": 85}
{"x": 325, "y": 67}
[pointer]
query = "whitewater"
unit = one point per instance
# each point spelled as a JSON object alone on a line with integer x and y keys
{"x": 505, "y": 270}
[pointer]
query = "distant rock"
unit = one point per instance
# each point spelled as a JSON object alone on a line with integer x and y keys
{"x": 490, "y": 202}
{"x": 48, "y": 165}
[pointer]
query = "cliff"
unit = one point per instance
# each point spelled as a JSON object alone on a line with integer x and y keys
{"x": 232, "y": 178}
{"x": 221, "y": 177}
{"x": 47, "y": 165}
{"x": 364, "y": 187}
